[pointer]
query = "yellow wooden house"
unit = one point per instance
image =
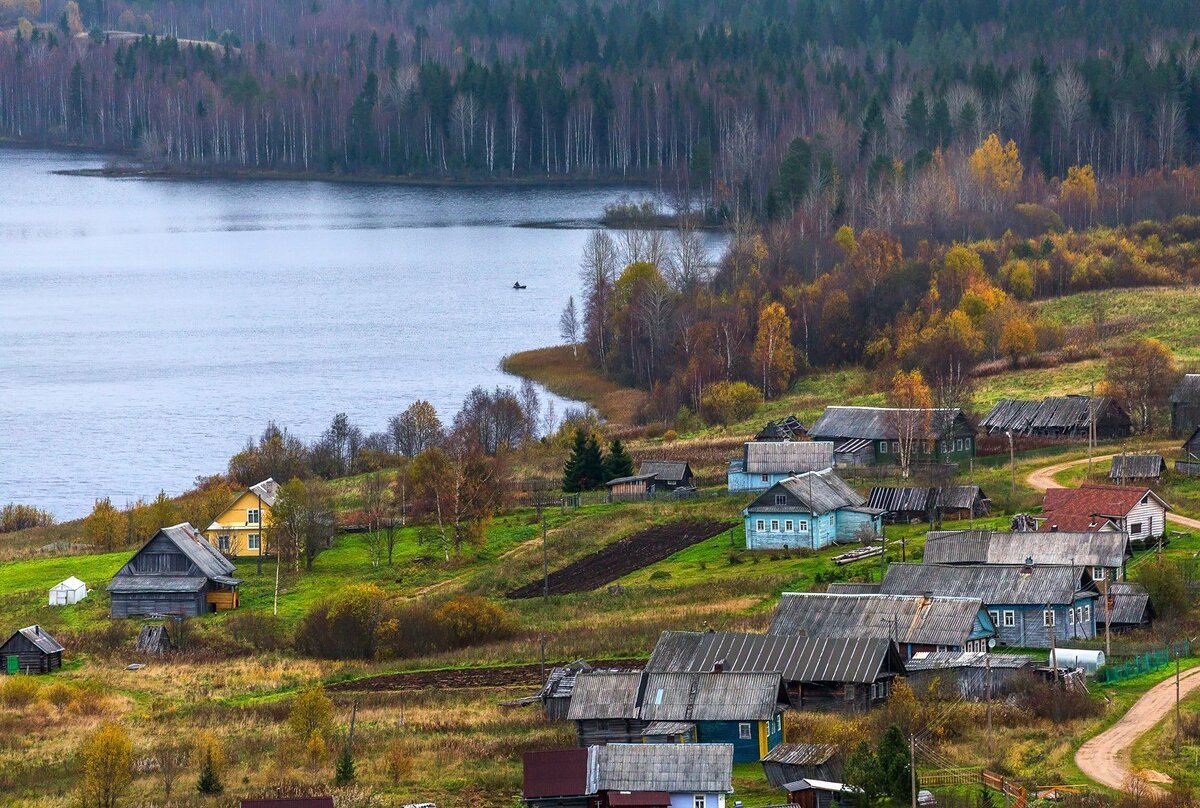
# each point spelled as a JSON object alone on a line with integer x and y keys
{"x": 240, "y": 529}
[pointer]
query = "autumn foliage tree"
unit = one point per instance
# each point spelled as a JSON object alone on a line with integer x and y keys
{"x": 996, "y": 169}
{"x": 911, "y": 417}
{"x": 107, "y": 762}
{"x": 105, "y": 527}
{"x": 773, "y": 353}
{"x": 1142, "y": 375}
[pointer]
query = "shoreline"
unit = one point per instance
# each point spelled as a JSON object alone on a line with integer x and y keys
{"x": 569, "y": 377}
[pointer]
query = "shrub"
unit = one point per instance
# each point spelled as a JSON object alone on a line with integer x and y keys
{"x": 412, "y": 630}
{"x": 670, "y": 436}
{"x": 58, "y": 695}
{"x": 660, "y": 575}
{"x": 310, "y": 717}
{"x": 88, "y": 701}
{"x": 345, "y": 626}
{"x": 18, "y": 691}
{"x": 1053, "y": 703}
{"x": 470, "y": 619}
{"x": 727, "y": 402}
{"x": 397, "y": 761}
{"x": 256, "y": 631}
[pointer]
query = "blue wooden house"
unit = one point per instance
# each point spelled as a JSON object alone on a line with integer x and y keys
{"x": 810, "y": 510}
{"x": 1026, "y": 602}
{"x": 742, "y": 709}
{"x": 764, "y": 463}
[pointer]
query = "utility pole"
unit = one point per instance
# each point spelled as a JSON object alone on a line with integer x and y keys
{"x": 912, "y": 767}
{"x": 1107, "y": 618}
{"x": 260, "y": 533}
{"x": 1052, "y": 628}
{"x": 1012, "y": 464}
{"x": 1177, "y": 717}
{"x": 1091, "y": 428}
{"x": 545, "y": 565}
{"x": 988, "y": 662}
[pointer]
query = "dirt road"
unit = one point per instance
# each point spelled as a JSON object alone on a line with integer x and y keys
{"x": 1105, "y": 758}
{"x": 1043, "y": 479}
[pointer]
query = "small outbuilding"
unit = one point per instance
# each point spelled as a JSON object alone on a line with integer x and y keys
{"x": 1137, "y": 467}
{"x": 790, "y": 762}
{"x": 1063, "y": 417}
{"x": 1185, "y": 405}
{"x": 30, "y": 650}
{"x": 815, "y": 793}
{"x": 68, "y": 592}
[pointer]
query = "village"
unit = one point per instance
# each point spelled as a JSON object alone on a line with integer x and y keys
{"x": 934, "y": 592}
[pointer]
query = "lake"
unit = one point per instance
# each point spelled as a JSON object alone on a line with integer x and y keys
{"x": 149, "y": 327}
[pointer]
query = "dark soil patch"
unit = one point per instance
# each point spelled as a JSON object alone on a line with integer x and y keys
{"x": 463, "y": 678}
{"x": 622, "y": 557}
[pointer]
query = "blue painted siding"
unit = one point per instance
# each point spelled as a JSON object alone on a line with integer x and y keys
{"x": 817, "y": 532}
{"x": 850, "y": 522}
{"x": 1028, "y": 629}
{"x": 744, "y": 750}
{"x": 687, "y": 799}
{"x": 738, "y": 480}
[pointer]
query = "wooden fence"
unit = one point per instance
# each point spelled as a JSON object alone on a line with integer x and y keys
{"x": 1190, "y": 468}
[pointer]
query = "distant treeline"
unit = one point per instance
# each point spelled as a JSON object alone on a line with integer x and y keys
{"x": 706, "y": 97}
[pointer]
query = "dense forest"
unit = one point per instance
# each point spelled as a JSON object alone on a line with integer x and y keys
{"x": 706, "y": 98}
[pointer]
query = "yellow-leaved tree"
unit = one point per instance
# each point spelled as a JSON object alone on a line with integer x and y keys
{"x": 996, "y": 169}
{"x": 911, "y": 417}
{"x": 311, "y": 721}
{"x": 1079, "y": 194}
{"x": 773, "y": 353}
{"x": 1018, "y": 340}
{"x": 107, "y": 758}
{"x": 105, "y": 527}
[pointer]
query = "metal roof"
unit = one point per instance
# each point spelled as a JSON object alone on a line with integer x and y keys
{"x": 734, "y": 696}
{"x": 801, "y": 754}
{"x": 787, "y": 457}
{"x": 157, "y": 583}
{"x": 555, "y": 773}
{"x": 605, "y": 694}
{"x": 1188, "y": 390}
{"x": 945, "y": 660}
{"x": 852, "y": 588}
{"x": 669, "y": 471}
{"x": 1075, "y": 507}
{"x": 878, "y": 423}
{"x": 1131, "y": 603}
{"x": 40, "y": 638}
{"x": 560, "y": 682}
{"x": 194, "y": 546}
{"x": 1104, "y": 549}
{"x": 631, "y": 479}
{"x": 1137, "y": 467}
{"x": 670, "y": 767}
{"x": 903, "y": 618}
{"x": 797, "y": 659}
{"x": 991, "y": 583}
{"x": 818, "y": 491}
{"x": 267, "y": 491}
{"x": 902, "y": 500}
{"x": 1062, "y": 414}
{"x": 668, "y": 728}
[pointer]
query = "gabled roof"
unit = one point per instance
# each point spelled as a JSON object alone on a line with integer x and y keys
{"x": 267, "y": 491}
{"x": 792, "y": 457}
{"x": 801, "y": 754}
{"x": 1131, "y": 604}
{"x": 733, "y": 696}
{"x": 40, "y": 639}
{"x": 852, "y": 588}
{"x": 1084, "y": 549}
{"x": 949, "y": 660}
{"x": 960, "y": 496}
{"x": 903, "y": 618}
{"x": 70, "y": 583}
{"x": 669, "y": 767}
{"x": 1137, "y": 467}
{"x": 818, "y": 491}
{"x": 194, "y": 546}
{"x": 992, "y": 583}
{"x": 1091, "y": 499}
{"x": 669, "y": 471}
{"x": 876, "y": 423}
{"x": 1053, "y": 414}
{"x": 1188, "y": 390}
{"x": 635, "y": 478}
{"x": 798, "y": 659}
{"x": 605, "y": 694}
{"x": 212, "y": 565}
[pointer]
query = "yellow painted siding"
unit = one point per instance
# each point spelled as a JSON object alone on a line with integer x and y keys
{"x": 232, "y": 522}
{"x": 223, "y": 600}
{"x": 762, "y": 739}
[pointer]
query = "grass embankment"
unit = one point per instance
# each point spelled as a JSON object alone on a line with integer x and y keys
{"x": 566, "y": 374}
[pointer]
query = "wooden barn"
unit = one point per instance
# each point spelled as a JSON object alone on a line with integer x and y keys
{"x": 936, "y": 504}
{"x": 1059, "y": 417}
{"x": 1137, "y": 467}
{"x": 555, "y": 695}
{"x": 604, "y": 706}
{"x": 790, "y": 762}
{"x": 175, "y": 573}
{"x": 1185, "y": 406}
{"x": 869, "y": 435}
{"x": 965, "y": 675}
{"x": 1104, "y": 553}
{"x": 1189, "y": 463}
{"x": 31, "y": 650}
{"x": 1129, "y": 607}
{"x": 785, "y": 429}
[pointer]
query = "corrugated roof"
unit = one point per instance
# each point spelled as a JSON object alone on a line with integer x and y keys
{"x": 732, "y": 696}
{"x": 852, "y": 588}
{"x": 876, "y": 423}
{"x": 946, "y": 660}
{"x": 1060, "y": 414}
{"x": 555, "y": 773}
{"x": 195, "y": 547}
{"x": 669, "y": 471}
{"x": 798, "y": 659}
{"x": 787, "y": 458}
{"x": 801, "y": 754}
{"x": 671, "y": 767}
{"x": 1188, "y": 390}
{"x": 267, "y": 490}
{"x": 991, "y": 583}
{"x": 903, "y": 618}
{"x": 818, "y": 491}
{"x": 40, "y": 638}
{"x": 632, "y": 479}
{"x": 1106, "y": 549}
{"x": 1131, "y": 604}
{"x": 901, "y": 500}
{"x": 157, "y": 583}
{"x": 1137, "y": 467}
{"x": 668, "y": 728}
{"x": 605, "y": 694}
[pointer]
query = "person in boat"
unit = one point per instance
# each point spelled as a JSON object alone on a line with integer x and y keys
{"x": 518, "y": 285}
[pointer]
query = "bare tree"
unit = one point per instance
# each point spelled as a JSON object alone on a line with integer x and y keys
{"x": 1071, "y": 93}
{"x": 376, "y": 500}
{"x": 569, "y": 326}
{"x": 1021, "y": 95}
{"x": 171, "y": 757}
{"x": 688, "y": 259}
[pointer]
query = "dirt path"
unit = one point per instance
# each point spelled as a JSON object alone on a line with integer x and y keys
{"x": 1105, "y": 758}
{"x": 1043, "y": 479}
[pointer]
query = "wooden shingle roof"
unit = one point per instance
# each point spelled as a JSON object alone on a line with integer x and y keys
{"x": 912, "y": 619}
{"x": 605, "y": 694}
{"x": 1063, "y": 414}
{"x": 1137, "y": 467}
{"x": 1188, "y": 390}
{"x": 877, "y": 423}
{"x": 726, "y": 696}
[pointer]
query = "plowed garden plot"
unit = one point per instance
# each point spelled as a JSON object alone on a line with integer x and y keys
{"x": 461, "y": 678}
{"x": 622, "y": 557}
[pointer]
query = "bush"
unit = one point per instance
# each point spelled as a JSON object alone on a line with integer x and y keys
{"x": 345, "y": 626}
{"x": 58, "y": 695}
{"x": 470, "y": 619}
{"x": 727, "y": 402}
{"x": 18, "y": 691}
{"x": 1053, "y": 703}
{"x": 256, "y": 631}
{"x": 412, "y": 630}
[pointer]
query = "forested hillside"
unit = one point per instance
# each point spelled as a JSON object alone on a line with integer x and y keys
{"x": 705, "y": 97}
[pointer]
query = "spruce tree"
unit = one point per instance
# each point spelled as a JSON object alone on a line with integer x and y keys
{"x": 210, "y": 781}
{"x": 894, "y": 770}
{"x": 591, "y": 469}
{"x": 344, "y": 773}
{"x": 618, "y": 463}
{"x": 573, "y": 470}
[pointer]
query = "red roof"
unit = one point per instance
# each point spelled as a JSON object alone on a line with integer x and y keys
{"x": 639, "y": 799}
{"x": 289, "y": 802}
{"x": 555, "y": 773}
{"x": 1072, "y": 509}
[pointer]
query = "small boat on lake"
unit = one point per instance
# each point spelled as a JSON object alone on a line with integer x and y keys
{"x": 518, "y": 285}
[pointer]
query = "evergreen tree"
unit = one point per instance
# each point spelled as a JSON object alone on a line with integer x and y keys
{"x": 861, "y": 770}
{"x": 585, "y": 467}
{"x": 618, "y": 463}
{"x": 210, "y": 781}
{"x": 894, "y": 771}
{"x": 344, "y": 773}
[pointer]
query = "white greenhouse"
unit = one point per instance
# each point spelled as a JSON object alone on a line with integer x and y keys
{"x": 69, "y": 591}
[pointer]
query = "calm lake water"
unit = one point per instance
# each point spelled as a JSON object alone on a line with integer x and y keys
{"x": 147, "y": 328}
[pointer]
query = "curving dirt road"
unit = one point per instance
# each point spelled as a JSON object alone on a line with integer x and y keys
{"x": 1105, "y": 758}
{"x": 1043, "y": 479}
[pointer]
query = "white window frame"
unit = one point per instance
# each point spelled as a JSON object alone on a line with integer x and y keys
{"x": 224, "y": 542}
{"x": 745, "y": 731}
{"x": 1048, "y": 618}
{"x": 761, "y": 525}
{"x": 802, "y": 526}
{"x": 774, "y": 525}
{"x": 700, "y": 801}
{"x": 895, "y": 447}
{"x": 253, "y": 516}
{"x": 766, "y": 478}
{"x": 883, "y": 447}
{"x": 789, "y": 526}
{"x": 995, "y": 616}
{"x": 781, "y": 499}
{"x": 1010, "y": 618}
{"x": 1099, "y": 574}
{"x": 254, "y": 541}
{"x": 1071, "y": 616}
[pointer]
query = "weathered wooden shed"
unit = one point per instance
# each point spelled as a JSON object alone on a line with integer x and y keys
{"x": 175, "y": 573}
{"x": 924, "y": 504}
{"x": 967, "y": 674}
{"x": 790, "y": 762}
{"x": 1059, "y": 417}
{"x": 1189, "y": 463}
{"x": 30, "y": 650}
{"x": 785, "y": 429}
{"x": 668, "y": 474}
{"x": 555, "y": 695}
{"x": 868, "y": 435}
{"x": 1137, "y": 467}
{"x": 604, "y": 706}
{"x": 1129, "y": 606}
{"x": 1185, "y": 406}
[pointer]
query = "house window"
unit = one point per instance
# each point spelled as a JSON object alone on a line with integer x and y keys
{"x": 744, "y": 733}
{"x": 1010, "y": 618}
{"x": 761, "y": 525}
{"x": 850, "y": 692}
{"x": 781, "y": 499}
{"x": 766, "y": 478}
{"x": 774, "y": 525}
{"x": 1085, "y": 614}
{"x": 699, "y": 801}
{"x": 995, "y": 617}
{"x": 803, "y": 526}
{"x": 252, "y": 542}
{"x": 1098, "y": 573}
{"x": 223, "y": 542}
{"x": 252, "y": 516}
{"x": 958, "y": 445}
{"x": 1135, "y": 529}
{"x": 895, "y": 446}
{"x": 788, "y": 526}
{"x": 1048, "y": 618}
{"x": 1071, "y": 616}
{"x": 883, "y": 447}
